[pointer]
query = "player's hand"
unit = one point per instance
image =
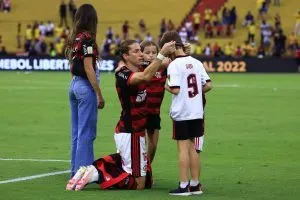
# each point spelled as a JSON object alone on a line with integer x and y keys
{"x": 165, "y": 63}
{"x": 140, "y": 182}
{"x": 120, "y": 65}
{"x": 187, "y": 48}
{"x": 100, "y": 102}
{"x": 168, "y": 48}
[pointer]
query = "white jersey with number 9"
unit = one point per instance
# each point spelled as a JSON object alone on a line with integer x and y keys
{"x": 189, "y": 75}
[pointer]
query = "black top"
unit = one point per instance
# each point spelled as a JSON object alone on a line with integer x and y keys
{"x": 84, "y": 46}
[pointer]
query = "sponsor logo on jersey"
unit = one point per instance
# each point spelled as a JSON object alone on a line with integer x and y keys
{"x": 158, "y": 75}
{"x": 122, "y": 75}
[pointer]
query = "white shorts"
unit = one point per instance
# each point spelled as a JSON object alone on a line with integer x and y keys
{"x": 199, "y": 143}
{"x": 132, "y": 149}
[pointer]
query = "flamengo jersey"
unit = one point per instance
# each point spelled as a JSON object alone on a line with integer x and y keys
{"x": 133, "y": 102}
{"x": 156, "y": 91}
{"x": 84, "y": 46}
{"x": 189, "y": 75}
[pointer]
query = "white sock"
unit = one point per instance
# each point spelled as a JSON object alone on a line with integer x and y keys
{"x": 194, "y": 183}
{"x": 95, "y": 175}
{"x": 79, "y": 173}
{"x": 184, "y": 184}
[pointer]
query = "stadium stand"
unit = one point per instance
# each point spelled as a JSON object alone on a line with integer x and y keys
{"x": 216, "y": 36}
{"x": 111, "y": 13}
{"x": 283, "y": 17}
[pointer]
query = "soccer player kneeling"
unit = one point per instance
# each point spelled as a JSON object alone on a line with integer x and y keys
{"x": 108, "y": 173}
{"x": 133, "y": 171}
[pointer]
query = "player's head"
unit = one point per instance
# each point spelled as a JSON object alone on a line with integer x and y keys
{"x": 149, "y": 49}
{"x": 171, "y": 36}
{"x": 86, "y": 19}
{"x": 131, "y": 53}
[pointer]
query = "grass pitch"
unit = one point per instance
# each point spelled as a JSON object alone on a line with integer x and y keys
{"x": 251, "y": 147}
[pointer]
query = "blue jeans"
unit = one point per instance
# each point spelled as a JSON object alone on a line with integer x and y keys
{"x": 84, "y": 112}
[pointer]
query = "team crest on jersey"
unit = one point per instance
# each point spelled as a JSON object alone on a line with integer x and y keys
{"x": 141, "y": 96}
{"x": 189, "y": 66}
{"x": 158, "y": 75}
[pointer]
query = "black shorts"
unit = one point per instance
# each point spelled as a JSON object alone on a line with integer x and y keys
{"x": 188, "y": 129}
{"x": 153, "y": 122}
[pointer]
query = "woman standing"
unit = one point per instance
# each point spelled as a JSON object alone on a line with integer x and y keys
{"x": 85, "y": 94}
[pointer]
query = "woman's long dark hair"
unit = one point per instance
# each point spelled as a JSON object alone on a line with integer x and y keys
{"x": 85, "y": 20}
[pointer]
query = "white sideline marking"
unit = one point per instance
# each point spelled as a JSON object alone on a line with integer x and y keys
{"x": 26, "y": 178}
{"x": 227, "y": 85}
{"x": 33, "y": 160}
{"x": 253, "y": 87}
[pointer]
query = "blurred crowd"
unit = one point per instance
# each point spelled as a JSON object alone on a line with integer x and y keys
{"x": 264, "y": 37}
{"x": 44, "y": 38}
{"x": 5, "y": 6}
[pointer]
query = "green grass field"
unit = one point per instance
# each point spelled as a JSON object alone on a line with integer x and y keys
{"x": 251, "y": 145}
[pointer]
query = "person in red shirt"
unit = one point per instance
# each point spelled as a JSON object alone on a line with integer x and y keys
{"x": 239, "y": 51}
{"x": 209, "y": 33}
{"x": 155, "y": 94}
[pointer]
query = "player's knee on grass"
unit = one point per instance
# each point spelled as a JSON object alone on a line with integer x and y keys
{"x": 129, "y": 183}
{"x": 140, "y": 182}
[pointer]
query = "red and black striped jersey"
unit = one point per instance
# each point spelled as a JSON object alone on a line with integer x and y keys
{"x": 84, "y": 46}
{"x": 133, "y": 102}
{"x": 156, "y": 91}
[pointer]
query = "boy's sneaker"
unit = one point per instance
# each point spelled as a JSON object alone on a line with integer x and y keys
{"x": 181, "y": 191}
{"x": 86, "y": 178}
{"x": 196, "y": 189}
{"x": 73, "y": 181}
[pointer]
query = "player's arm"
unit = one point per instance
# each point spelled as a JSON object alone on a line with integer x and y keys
{"x": 149, "y": 72}
{"x": 120, "y": 65}
{"x": 172, "y": 90}
{"x": 173, "y": 81}
{"x": 206, "y": 81}
{"x": 90, "y": 72}
{"x": 88, "y": 54}
{"x": 207, "y": 87}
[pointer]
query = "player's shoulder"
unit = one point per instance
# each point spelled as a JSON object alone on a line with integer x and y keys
{"x": 185, "y": 60}
{"x": 197, "y": 61}
{"x": 180, "y": 59}
{"x": 123, "y": 73}
{"x": 194, "y": 61}
{"x": 84, "y": 36}
{"x": 197, "y": 65}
